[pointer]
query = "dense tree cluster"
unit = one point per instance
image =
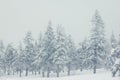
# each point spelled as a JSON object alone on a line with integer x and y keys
{"x": 56, "y": 52}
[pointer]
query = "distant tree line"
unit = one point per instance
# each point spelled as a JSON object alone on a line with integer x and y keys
{"x": 56, "y": 52}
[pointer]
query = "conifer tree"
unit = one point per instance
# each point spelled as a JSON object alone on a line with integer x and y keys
{"x": 29, "y": 53}
{"x": 97, "y": 42}
{"x": 48, "y": 49}
{"x": 60, "y": 57}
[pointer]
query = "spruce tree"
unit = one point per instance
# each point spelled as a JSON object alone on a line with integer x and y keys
{"x": 83, "y": 55}
{"x": 113, "y": 41}
{"x": 72, "y": 55}
{"x": 60, "y": 57}
{"x": 10, "y": 58}
{"x": 2, "y": 53}
{"x": 97, "y": 42}
{"x": 48, "y": 49}
{"x": 29, "y": 53}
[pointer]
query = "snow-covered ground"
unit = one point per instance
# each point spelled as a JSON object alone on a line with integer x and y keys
{"x": 85, "y": 75}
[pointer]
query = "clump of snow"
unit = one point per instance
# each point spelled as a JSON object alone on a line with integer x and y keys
{"x": 112, "y": 51}
{"x": 117, "y": 61}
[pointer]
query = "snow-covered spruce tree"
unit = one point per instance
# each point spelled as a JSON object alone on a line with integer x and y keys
{"x": 38, "y": 49}
{"x": 36, "y": 65}
{"x": 97, "y": 42}
{"x": 83, "y": 55}
{"x": 19, "y": 63}
{"x": 72, "y": 54}
{"x": 40, "y": 41}
{"x": 2, "y": 66}
{"x": 48, "y": 50}
{"x": 29, "y": 52}
{"x": 60, "y": 57}
{"x": 79, "y": 58}
{"x": 113, "y": 41}
{"x": 115, "y": 53}
{"x": 113, "y": 44}
{"x": 1, "y": 46}
{"x": 119, "y": 40}
{"x": 10, "y": 58}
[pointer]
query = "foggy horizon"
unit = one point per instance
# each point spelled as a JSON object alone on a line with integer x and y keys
{"x": 17, "y": 17}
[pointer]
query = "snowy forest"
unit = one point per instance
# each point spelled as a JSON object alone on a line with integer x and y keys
{"x": 55, "y": 52}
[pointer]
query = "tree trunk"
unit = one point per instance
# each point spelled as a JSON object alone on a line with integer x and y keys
{"x": 8, "y": 71}
{"x": 95, "y": 62}
{"x": 94, "y": 69}
{"x": 4, "y": 70}
{"x": 39, "y": 72}
{"x": 32, "y": 72}
{"x": 48, "y": 72}
{"x": 43, "y": 74}
{"x": 119, "y": 73}
{"x": 81, "y": 69}
{"x": 17, "y": 71}
{"x": 35, "y": 72}
{"x": 13, "y": 72}
{"x": 20, "y": 72}
{"x": 26, "y": 71}
{"x": 58, "y": 69}
{"x": 69, "y": 65}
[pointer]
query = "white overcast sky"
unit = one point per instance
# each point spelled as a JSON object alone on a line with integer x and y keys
{"x": 19, "y": 16}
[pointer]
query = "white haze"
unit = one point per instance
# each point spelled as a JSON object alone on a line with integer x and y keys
{"x": 19, "y": 16}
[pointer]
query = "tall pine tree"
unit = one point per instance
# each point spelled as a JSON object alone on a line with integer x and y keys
{"x": 29, "y": 53}
{"x": 2, "y": 53}
{"x": 10, "y": 58}
{"x": 97, "y": 42}
{"x": 72, "y": 55}
{"x": 60, "y": 57}
{"x": 113, "y": 41}
{"x": 48, "y": 49}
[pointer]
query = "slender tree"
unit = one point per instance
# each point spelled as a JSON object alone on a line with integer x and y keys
{"x": 39, "y": 49}
{"x": 29, "y": 53}
{"x": 60, "y": 57}
{"x": 19, "y": 63}
{"x": 48, "y": 49}
{"x": 83, "y": 54}
{"x": 2, "y": 52}
{"x": 97, "y": 42}
{"x": 10, "y": 58}
{"x": 72, "y": 55}
{"x": 113, "y": 41}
